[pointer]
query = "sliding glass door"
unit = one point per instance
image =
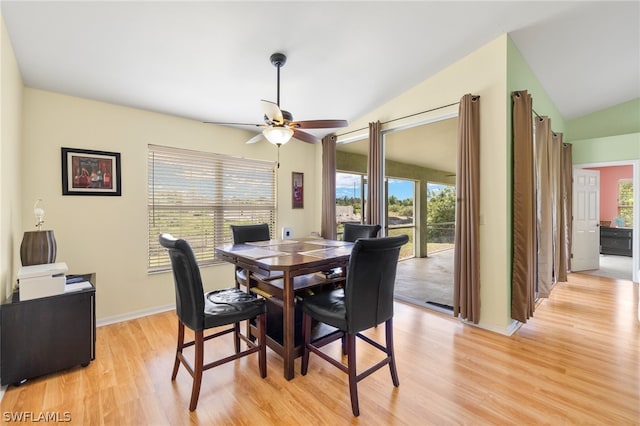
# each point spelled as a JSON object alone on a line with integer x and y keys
{"x": 351, "y": 196}
{"x": 441, "y": 215}
{"x": 400, "y": 212}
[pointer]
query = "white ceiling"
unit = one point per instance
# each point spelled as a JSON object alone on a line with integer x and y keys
{"x": 209, "y": 61}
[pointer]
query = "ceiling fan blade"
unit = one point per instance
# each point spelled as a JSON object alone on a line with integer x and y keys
{"x": 256, "y": 138}
{"x": 304, "y": 136}
{"x": 272, "y": 111}
{"x": 319, "y": 124}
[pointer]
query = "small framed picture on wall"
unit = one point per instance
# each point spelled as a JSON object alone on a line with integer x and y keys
{"x": 86, "y": 172}
{"x": 297, "y": 191}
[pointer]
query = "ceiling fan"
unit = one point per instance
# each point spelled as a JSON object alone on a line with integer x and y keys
{"x": 279, "y": 125}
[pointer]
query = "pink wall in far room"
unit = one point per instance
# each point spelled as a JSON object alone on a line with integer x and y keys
{"x": 609, "y": 177}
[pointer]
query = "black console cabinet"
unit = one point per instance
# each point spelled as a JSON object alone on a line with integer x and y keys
{"x": 616, "y": 241}
{"x": 49, "y": 334}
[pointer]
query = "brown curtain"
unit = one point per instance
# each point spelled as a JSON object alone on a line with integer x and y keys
{"x": 524, "y": 215}
{"x": 374, "y": 173}
{"x": 466, "y": 278}
{"x": 544, "y": 204}
{"x": 566, "y": 192}
{"x": 328, "y": 219}
{"x": 556, "y": 191}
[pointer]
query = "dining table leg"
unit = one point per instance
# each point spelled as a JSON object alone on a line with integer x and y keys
{"x": 288, "y": 325}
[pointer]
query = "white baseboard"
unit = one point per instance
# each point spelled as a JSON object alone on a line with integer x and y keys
{"x": 507, "y": 331}
{"x": 133, "y": 315}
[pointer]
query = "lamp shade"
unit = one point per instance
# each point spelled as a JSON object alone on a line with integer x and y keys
{"x": 278, "y": 135}
{"x": 38, "y": 247}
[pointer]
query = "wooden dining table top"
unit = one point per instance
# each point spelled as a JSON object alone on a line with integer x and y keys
{"x": 284, "y": 254}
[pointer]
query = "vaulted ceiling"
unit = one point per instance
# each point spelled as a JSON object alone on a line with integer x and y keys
{"x": 209, "y": 61}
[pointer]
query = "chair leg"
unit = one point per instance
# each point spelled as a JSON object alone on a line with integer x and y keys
{"x": 306, "y": 339}
{"x": 176, "y": 363}
{"x": 236, "y": 337}
{"x": 262, "y": 343}
{"x": 351, "y": 367}
{"x": 391, "y": 352}
{"x": 198, "y": 368}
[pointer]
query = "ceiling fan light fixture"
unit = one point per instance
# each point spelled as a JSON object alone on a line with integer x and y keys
{"x": 278, "y": 135}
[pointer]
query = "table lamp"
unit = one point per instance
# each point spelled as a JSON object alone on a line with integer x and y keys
{"x": 39, "y": 246}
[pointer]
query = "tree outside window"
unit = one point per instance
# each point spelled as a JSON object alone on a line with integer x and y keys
{"x": 625, "y": 201}
{"x": 441, "y": 216}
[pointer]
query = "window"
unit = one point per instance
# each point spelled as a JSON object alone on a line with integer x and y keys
{"x": 197, "y": 195}
{"x": 350, "y": 197}
{"x": 401, "y": 212}
{"x": 441, "y": 217}
{"x": 625, "y": 201}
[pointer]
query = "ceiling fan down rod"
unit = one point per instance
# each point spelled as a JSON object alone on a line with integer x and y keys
{"x": 278, "y": 60}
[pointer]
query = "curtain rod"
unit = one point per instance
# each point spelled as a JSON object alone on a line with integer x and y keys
{"x": 402, "y": 118}
{"x": 538, "y": 115}
{"x": 517, "y": 93}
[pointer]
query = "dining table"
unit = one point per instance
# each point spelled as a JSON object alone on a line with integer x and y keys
{"x": 284, "y": 272}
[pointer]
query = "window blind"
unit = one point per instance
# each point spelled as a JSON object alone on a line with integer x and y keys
{"x": 197, "y": 195}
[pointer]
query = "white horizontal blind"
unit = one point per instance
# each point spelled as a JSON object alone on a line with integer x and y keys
{"x": 197, "y": 195}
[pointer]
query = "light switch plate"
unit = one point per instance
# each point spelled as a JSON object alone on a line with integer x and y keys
{"x": 287, "y": 233}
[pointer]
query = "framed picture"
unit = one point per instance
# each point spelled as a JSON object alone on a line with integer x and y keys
{"x": 297, "y": 179}
{"x": 86, "y": 172}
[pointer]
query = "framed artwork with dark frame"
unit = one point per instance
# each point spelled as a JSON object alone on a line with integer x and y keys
{"x": 297, "y": 190}
{"x": 87, "y": 172}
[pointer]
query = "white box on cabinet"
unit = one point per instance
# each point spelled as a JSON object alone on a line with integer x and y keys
{"x": 43, "y": 280}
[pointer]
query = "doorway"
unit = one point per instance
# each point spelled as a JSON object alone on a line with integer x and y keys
{"x": 414, "y": 156}
{"x": 424, "y": 154}
{"x": 614, "y": 265}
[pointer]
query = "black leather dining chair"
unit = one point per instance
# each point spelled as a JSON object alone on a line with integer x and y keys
{"x": 365, "y": 301}
{"x": 353, "y": 231}
{"x": 248, "y": 234}
{"x": 200, "y": 312}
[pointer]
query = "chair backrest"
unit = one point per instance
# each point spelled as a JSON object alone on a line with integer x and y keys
{"x": 250, "y": 233}
{"x": 187, "y": 280}
{"x": 371, "y": 278}
{"x": 353, "y": 231}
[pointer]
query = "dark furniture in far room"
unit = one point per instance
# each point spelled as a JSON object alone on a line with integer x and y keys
{"x": 616, "y": 241}
{"x": 47, "y": 334}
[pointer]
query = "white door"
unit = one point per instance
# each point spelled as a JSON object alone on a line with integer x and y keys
{"x": 586, "y": 220}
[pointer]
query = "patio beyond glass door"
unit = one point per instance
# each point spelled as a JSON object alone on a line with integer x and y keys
{"x": 400, "y": 212}
{"x": 351, "y": 197}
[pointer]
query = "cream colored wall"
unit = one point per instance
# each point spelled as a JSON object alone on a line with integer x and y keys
{"x": 108, "y": 235}
{"x": 10, "y": 190}
{"x": 483, "y": 73}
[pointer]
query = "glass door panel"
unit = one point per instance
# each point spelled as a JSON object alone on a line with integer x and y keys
{"x": 350, "y": 199}
{"x": 441, "y": 216}
{"x": 400, "y": 212}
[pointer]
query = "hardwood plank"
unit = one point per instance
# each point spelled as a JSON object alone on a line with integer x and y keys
{"x": 577, "y": 361}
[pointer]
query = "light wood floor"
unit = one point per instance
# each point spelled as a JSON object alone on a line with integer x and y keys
{"x": 576, "y": 362}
